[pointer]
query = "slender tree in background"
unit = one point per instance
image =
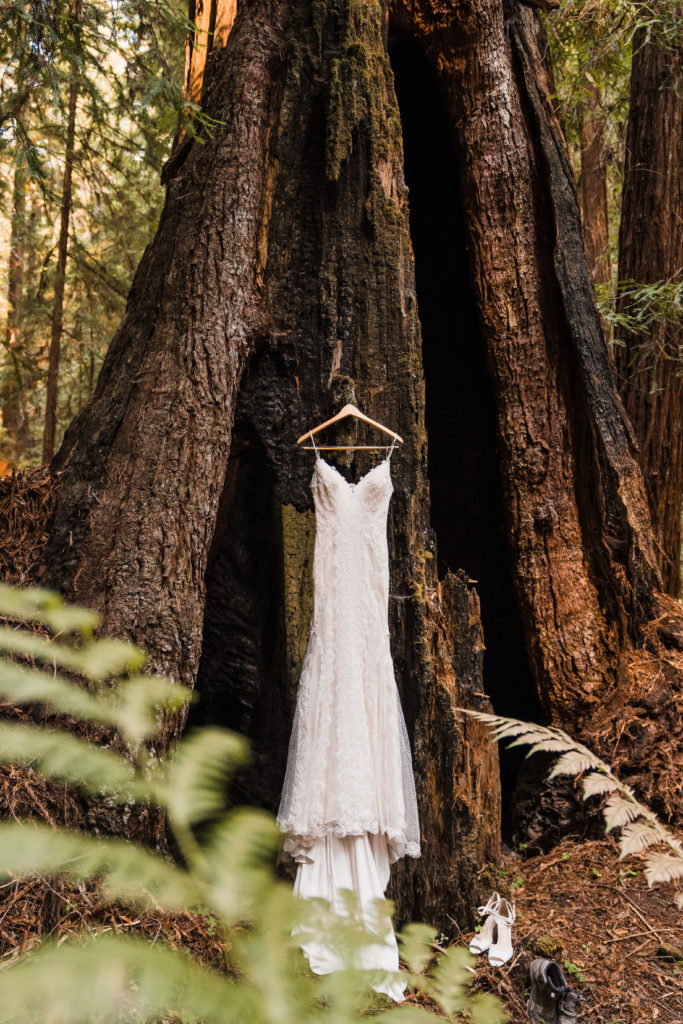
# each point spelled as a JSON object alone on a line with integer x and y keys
{"x": 12, "y": 397}
{"x": 649, "y": 358}
{"x": 594, "y": 184}
{"x": 60, "y": 274}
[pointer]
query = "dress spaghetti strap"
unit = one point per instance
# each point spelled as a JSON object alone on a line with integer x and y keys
{"x": 310, "y": 434}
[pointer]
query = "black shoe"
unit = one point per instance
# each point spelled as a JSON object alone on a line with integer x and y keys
{"x": 548, "y": 987}
{"x": 568, "y": 1006}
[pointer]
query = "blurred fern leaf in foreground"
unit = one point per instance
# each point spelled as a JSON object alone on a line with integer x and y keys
{"x": 225, "y": 868}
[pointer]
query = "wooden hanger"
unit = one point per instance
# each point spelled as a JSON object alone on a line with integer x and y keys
{"x": 349, "y": 410}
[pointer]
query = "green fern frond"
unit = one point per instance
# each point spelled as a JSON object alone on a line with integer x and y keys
{"x": 100, "y": 659}
{"x": 238, "y": 855}
{"x": 451, "y": 977}
{"x": 20, "y": 685}
{"x": 35, "y": 604}
{"x": 417, "y": 946}
{"x": 622, "y": 809}
{"x": 197, "y": 776}
{"x": 140, "y": 701}
{"x": 127, "y": 872}
{"x": 117, "y": 978}
{"x": 67, "y": 758}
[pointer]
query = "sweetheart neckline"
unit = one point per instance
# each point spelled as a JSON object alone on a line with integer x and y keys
{"x": 352, "y": 486}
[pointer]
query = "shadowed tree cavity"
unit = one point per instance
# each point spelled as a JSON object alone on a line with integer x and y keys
{"x": 465, "y": 497}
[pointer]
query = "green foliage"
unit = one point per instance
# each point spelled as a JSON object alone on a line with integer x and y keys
{"x": 639, "y": 826}
{"x": 126, "y": 60}
{"x": 226, "y": 868}
{"x": 642, "y": 307}
{"x": 574, "y": 972}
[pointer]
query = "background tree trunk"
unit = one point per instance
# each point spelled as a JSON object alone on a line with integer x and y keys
{"x": 594, "y": 186}
{"x": 60, "y": 278}
{"x": 12, "y": 405}
{"x": 651, "y": 250}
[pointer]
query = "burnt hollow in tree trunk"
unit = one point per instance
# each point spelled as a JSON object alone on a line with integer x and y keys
{"x": 466, "y": 503}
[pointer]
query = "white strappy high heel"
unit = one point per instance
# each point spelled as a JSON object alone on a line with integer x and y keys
{"x": 483, "y": 939}
{"x": 500, "y": 951}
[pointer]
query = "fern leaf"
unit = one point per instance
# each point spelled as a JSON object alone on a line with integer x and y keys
{"x": 20, "y": 685}
{"x": 100, "y": 659}
{"x": 450, "y": 979}
{"x": 573, "y": 763}
{"x": 530, "y": 737}
{"x": 550, "y": 745}
{"x": 197, "y": 777}
{"x": 618, "y": 812}
{"x": 37, "y": 605}
{"x": 115, "y": 978}
{"x": 597, "y": 783}
{"x": 140, "y": 701}
{"x": 501, "y": 727}
{"x": 237, "y": 861}
{"x": 69, "y": 759}
{"x": 410, "y": 1014}
{"x": 636, "y": 836}
{"x": 417, "y": 946}
{"x": 129, "y": 873}
{"x": 662, "y": 867}
{"x": 484, "y": 1008}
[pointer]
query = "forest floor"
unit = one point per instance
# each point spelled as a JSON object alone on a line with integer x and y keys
{"x": 578, "y": 904}
{"x": 620, "y": 943}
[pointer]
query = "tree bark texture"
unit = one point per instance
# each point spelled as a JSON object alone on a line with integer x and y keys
{"x": 594, "y": 186}
{"x": 577, "y": 521}
{"x": 651, "y": 250}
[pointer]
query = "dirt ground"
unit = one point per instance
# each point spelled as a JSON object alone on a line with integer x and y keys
{"x": 615, "y": 933}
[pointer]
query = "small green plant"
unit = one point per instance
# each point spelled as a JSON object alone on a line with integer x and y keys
{"x": 566, "y": 855}
{"x": 640, "y": 828}
{"x": 597, "y": 874}
{"x": 571, "y": 969}
{"x": 227, "y": 859}
{"x": 517, "y": 883}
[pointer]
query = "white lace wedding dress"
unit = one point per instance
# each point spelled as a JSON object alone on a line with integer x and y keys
{"x": 348, "y": 807}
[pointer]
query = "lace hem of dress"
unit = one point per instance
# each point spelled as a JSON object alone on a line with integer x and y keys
{"x": 298, "y": 843}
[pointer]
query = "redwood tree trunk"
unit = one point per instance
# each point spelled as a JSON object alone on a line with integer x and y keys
{"x": 280, "y": 282}
{"x": 651, "y": 250}
{"x": 594, "y": 186}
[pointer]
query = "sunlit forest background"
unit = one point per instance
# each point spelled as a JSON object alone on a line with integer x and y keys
{"x": 91, "y": 97}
